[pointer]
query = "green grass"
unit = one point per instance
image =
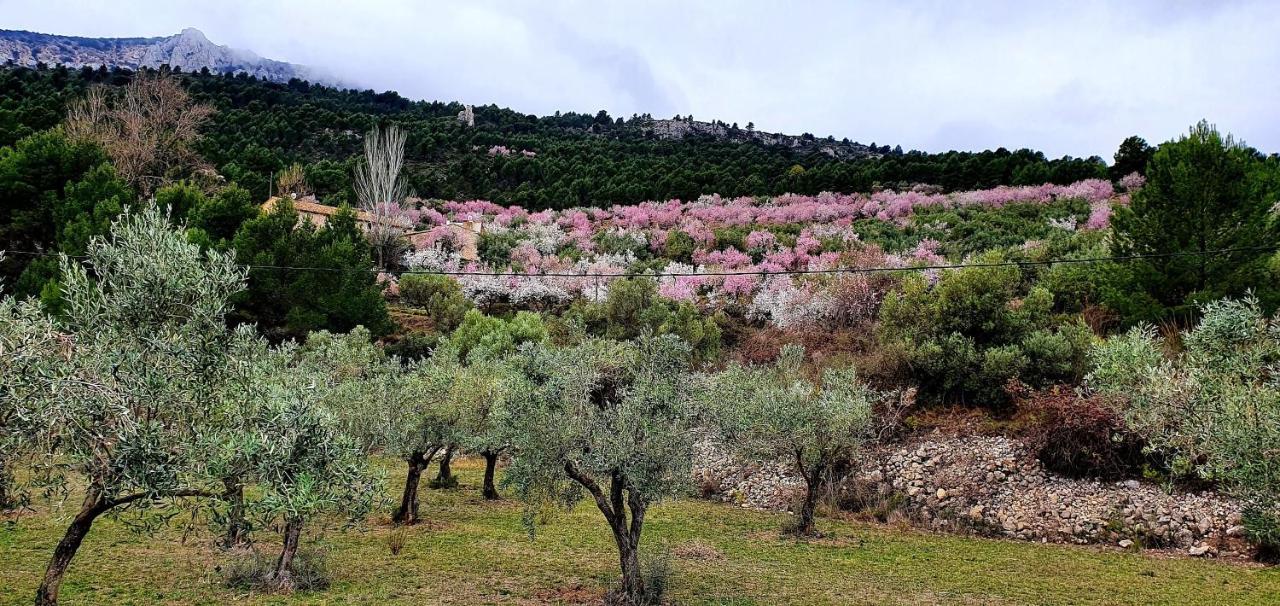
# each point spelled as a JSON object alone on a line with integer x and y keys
{"x": 473, "y": 552}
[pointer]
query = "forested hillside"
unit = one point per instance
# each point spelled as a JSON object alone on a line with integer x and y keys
{"x": 559, "y": 161}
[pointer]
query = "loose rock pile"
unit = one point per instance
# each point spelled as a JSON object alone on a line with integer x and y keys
{"x": 994, "y": 486}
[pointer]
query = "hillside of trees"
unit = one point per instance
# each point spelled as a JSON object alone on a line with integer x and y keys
{"x": 573, "y": 159}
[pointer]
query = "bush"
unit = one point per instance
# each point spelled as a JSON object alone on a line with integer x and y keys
{"x": 1263, "y": 528}
{"x": 482, "y": 337}
{"x": 656, "y": 569}
{"x": 252, "y": 570}
{"x": 966, "y": 336}
{"x": 413, "y": 346}
{"x": 1076, "y": 436}
{"x": 439, "y": 296}
{"x": 632, "y": 308}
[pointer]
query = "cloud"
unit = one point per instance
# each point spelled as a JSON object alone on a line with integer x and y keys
{"x": 1066, "y": 77}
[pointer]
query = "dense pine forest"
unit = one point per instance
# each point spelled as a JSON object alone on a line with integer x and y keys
{"x": 572, "y": 159}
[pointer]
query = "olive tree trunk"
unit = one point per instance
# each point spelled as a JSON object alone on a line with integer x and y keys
{"x": 417, "y": 461}
{"x": 813, "y": 478}
{"x": 445, "y": 478}
{"x": 624, "y": 509}
{"x": 95, "y": 504}
{"x": 282, "y": 576}
{"x": 490, "y": 466}
{"x": 47, "y": 594}
{"x": 237, "y": 533}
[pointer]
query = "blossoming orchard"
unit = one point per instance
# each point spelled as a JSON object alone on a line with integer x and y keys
{"x": 717, "y": 252}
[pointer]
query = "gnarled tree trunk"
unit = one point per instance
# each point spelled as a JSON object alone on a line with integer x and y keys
{"x": 95, "y": 504}
{"x": 445, "y": 478}
{"x": 490, "y": 465}
{"x": 237, "y": 533}
{"x": 621, "y": 501}
{"x": 282, "y": 576}
{"x": 813, "y": 484}
{"x": 407, "y": 513}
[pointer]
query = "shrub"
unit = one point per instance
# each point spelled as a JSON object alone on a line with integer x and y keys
{"x": 1213, "y": 408}
{"x": 482, "y": 337}
{"x": 252, "y": 570}
{"x": 396, "y": 539}
{"x": 975, "y": 329}
{"x": 1074, "y": 435}
{"x": 439, "y": 296}
{"x": 679, "y": 246}
{"x": 1263, "y": 528}
{"x": 632, "y": 308}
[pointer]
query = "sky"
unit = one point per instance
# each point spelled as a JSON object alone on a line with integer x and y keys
{"x": 1065, "y": 77}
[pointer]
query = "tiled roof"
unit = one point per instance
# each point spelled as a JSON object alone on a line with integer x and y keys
{"x": 310, "y": 206}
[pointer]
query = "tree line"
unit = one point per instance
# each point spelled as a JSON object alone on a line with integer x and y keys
{"x": 260, "y": 128}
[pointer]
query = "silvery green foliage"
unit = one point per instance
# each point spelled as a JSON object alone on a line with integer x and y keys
{"x": 775, "y": 413}
{"x": 297, "y": 451}
{"x": 28, "y": 346}
{"x": 279, "y": 424}
{"x": 1158, "y": 395}
{"x": 1217, "y": 402}
{"x": 598, "y": 415}
{"x": 125, "y": 395}
{"x": 486, "y": 411}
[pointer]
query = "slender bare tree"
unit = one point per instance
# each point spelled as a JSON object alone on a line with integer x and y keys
{"x": 381, "y": 191}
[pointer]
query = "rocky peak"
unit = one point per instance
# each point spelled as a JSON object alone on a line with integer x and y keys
{"x": 189, "y": 50}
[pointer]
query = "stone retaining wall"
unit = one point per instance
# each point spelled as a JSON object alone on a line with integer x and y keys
{"x": 995, "y": 487}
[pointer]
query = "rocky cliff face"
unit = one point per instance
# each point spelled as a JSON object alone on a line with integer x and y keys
{"x": 681, "y": 129}
{"x": 188, "y": 51}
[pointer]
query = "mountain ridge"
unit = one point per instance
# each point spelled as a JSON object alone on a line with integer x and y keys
{"x": 189, "y": 50}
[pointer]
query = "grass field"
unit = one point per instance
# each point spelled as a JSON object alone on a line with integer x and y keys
{"x": 473, "y": 552}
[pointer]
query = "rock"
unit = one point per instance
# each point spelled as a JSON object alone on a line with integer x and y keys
{"x": 997, "y": 484}
{"x": 1202, "y": 550}
{"x": 1126, "y": 543}
{"x": 467, "y": 116}
{"x": 188, "y": 50}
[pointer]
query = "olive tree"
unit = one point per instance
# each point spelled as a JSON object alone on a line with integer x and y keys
{"x": 1212, "y": 409}
{"x": 482, "y": 345}
{"x": 299, "y": 456}
{"x": 485, "y": 416}
{"x": 27, "y": 340}
{"x": 414, "y": 417}
{"x": 613, "y": 420}
{"x": 776, "y": 413}
{"x": 123, "y": 399}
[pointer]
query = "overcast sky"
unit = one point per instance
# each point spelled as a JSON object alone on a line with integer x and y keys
{"x": 1072, "y": 77}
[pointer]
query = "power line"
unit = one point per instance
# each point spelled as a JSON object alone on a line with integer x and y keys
{"x": 837, "y": 270}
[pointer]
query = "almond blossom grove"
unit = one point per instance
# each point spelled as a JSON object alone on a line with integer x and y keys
{"x": 556, "y": 256}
